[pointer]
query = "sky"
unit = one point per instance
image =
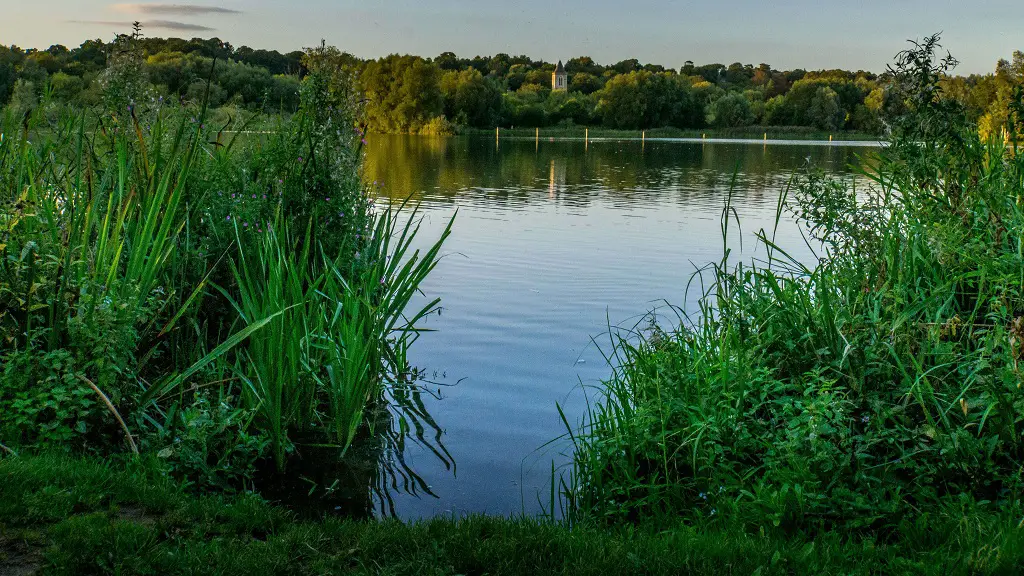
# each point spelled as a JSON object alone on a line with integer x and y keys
{"x": 787, "y": 34}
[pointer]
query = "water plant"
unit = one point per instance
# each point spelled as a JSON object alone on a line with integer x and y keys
{"x": 162, "y": 278}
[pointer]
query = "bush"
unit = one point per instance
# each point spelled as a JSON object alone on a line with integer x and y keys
{"x": 206, "y": 445}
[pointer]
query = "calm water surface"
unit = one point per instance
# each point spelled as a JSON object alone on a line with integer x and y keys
{"x": 554, "y": 241}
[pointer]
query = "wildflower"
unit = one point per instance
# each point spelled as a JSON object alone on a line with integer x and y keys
{"x": 703, "y": 496}
{"x": 280, "y": 181}
{"x": 363, "y": 141}
{"x": 328, "y": 199}
{"x": 232, "y": 195}
{"x": 264, "y": 196}
{"x": 253, "y": 195}
{"x": 382, "y": 281}
{"x": 228, "y": 218}
{"x": 300, "y": 159}
{"x": 245, "y": 224}
{"x": 865, "y": 418}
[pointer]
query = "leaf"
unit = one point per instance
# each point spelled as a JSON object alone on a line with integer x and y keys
{"x": 217, "y": 352}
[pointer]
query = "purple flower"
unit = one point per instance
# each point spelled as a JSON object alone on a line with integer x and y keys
{"x": 300, "y": 159}
{"x": 328, "y": 198}
{"x": 363, "y": 141}
{"x": 280, "y": 181}
{"x": 232, "y": 195}
{"x": 245, "y": 224}
{"x": 253, "y": 195}
{"x": 228, "y": 218}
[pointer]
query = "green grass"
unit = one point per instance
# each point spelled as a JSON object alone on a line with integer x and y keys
{"x": 61, "y": 515}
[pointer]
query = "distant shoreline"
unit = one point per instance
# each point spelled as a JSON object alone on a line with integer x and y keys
{"x": 750, "y": 134}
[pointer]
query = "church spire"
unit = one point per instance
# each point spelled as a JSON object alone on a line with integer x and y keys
{"x": 559, "y": 79}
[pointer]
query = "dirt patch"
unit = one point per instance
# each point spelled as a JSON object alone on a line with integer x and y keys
{"x": 134, "y": 514}
{"x": 18, "y": 557}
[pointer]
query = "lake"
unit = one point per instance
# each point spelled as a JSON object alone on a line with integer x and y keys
{"x": 554, "y": 242}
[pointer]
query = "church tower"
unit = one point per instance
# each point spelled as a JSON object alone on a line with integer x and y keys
{"x": 559, "y": 79}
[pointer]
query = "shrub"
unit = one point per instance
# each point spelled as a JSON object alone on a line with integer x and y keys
{"x": 880, "y": 384}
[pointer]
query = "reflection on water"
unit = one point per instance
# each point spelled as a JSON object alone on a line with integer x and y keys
{"x": 553, "y": 241}
{"x": 362, "y": 482}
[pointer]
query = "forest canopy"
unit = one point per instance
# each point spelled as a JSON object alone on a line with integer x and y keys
{"x": 413, "y": 94}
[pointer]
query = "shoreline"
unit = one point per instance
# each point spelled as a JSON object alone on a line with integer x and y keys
{"x": 754, "y": 135}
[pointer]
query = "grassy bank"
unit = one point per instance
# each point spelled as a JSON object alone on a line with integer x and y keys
{"x": 746, "y": 133}
{"x": 61, "y": 515}
{"x": 874, "y": 390}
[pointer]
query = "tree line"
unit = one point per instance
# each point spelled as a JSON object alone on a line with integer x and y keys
{"x": 413, "y": 94}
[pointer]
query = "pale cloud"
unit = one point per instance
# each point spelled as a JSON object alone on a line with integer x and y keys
{"x": 182, "y": 9}
{"x": 157, "y": 24}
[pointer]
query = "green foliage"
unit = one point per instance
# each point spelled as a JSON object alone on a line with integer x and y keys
{"x": 150, "y": 286}
{"x": 730, "y": 111}
{"x": 44, "y": 403}
{"x": 206, "y": 445}
{"x": 643, "y": 100}
{"x": 471, "y": 99}
{"x": 862, "y": 392}
{"x": 123, "y": 82}
{"x": 825, "y": 112}
{"x": 403, "y": 93}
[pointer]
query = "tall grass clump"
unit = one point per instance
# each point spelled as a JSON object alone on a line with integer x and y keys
{"x": 215, "y": 295}
{"x": 876, "y": 389}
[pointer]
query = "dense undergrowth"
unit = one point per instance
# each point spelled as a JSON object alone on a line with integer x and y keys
{"x": 228, "y": 300}
{"x": 876, "y": 391}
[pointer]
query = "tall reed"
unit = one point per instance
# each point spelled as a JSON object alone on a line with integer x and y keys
{"x": 865, "y": 390}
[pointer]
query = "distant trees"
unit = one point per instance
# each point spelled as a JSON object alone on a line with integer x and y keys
{"x": 471, "y": 99}
{"x": 414, "y": 94}
{"x": 730, "y": 111}
{"x": 825, "y": 111}
{"x": 1008, "y": 77}
{"x": 643, "y": 100}
{"x": 403, "y": 93}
